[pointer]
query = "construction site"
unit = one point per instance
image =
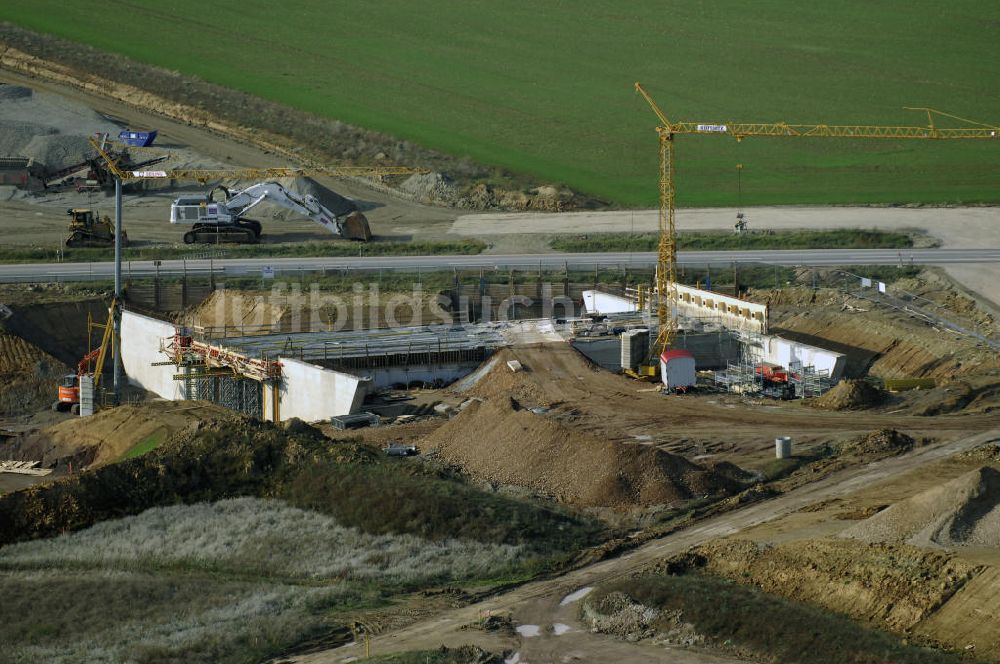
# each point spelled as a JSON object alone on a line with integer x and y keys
{"x": 504, "y": 460}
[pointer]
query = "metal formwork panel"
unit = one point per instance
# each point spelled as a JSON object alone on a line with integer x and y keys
{"x": 86, "y": 395}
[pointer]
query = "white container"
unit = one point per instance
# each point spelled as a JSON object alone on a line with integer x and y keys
{"x": 677, "y": 369}
{"x": 783, "y": 447}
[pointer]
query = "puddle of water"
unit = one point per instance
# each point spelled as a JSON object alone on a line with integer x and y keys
{"x": 575, "y": 596}
{"x": 528, "y": 630}
{"x": 560, "y": 629}
{"x": 513, "y": 659}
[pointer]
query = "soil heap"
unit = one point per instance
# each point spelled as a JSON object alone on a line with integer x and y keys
{"x": 962, "y": 512}
{"x": 850, "y": 395}
{"x": 503, "y": 443}
{"x": 882, "y": 442}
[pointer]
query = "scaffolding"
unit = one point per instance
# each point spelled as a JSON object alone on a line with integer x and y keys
{"x": 742, "y": 376}
{"x": 807, "y": 381}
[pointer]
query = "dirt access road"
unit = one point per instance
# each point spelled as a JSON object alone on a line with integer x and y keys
{"x": 548, "y": 603}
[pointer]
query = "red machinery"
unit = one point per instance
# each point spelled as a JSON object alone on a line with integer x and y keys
{"x": 69, "y": 390}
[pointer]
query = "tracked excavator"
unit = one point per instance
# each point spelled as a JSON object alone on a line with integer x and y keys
{"x": 225, "y": 221}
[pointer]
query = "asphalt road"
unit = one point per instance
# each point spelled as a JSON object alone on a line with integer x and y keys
{"x": 43, "y": 272}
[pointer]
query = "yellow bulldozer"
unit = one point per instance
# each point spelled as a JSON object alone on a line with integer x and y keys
{"x": 88, "y": 229}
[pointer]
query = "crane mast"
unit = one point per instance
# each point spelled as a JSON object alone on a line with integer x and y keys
{"x": 666, "y": 264}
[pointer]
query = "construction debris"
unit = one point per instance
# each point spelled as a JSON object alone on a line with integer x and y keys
{"x": 23, "y": 468}
{"x": 355, "y": 421}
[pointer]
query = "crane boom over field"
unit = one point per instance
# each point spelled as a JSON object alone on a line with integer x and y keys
{"x": 208, "y": 175}
{"x": 666, "y": 272}
{"x": 204, "y": 175}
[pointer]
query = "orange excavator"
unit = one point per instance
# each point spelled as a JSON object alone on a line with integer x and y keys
{"x": 92, "y": 364}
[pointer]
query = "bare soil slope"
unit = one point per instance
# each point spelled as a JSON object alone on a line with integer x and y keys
{"x": 111, "y": 433}
{"x": 28, "y": 376}
{"x": 891, "y": 586}
{"x": 884, "y": 344}
{"x": 962, "y": 512}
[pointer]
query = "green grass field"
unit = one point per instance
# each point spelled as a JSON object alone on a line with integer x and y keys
{"x": 291, "y": 249}
{"x": 546, "y": 88}
{"x": 835, "y": 239}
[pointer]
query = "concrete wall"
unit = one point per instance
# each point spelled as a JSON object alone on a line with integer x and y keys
{"x": 784, "y": 352}
{"x": 597, "y": 302}
{"x": 733, "y": 313}
{"x": 140, "y": 344}
{"x": 311, "y": 393}
{"x": 711, "y": 350}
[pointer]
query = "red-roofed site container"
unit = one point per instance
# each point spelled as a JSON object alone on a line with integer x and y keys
{"x": 677, "y": 370}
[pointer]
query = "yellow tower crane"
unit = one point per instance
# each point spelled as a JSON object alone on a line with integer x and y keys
{"x": 666, "y": 264}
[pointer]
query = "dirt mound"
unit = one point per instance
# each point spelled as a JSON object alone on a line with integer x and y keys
{"x": 431, "y": 188}
{"x": 988, "y": 453}
{"x": 500, "y": 382}
{"x": 111, "y": 433}
{"x": 962, "y": 512}
{"x": 19, "y": 356}
{"x": 15, "y": 135}
{"x": 890, "y": 586}
{"x": 879, "y": 443}
{"x": 850, "y": 395}
{"x": 328, "y": 198}
{"x": 502, "y": 443}
{"x": 244, "y": 313}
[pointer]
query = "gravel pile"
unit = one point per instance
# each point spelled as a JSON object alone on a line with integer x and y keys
{"x": 57, "y": 151}
{"x": 15, "y": 135}
{"x": 328, "y": 198}
{"x": 431, "y": 188}
{"x": 962, "y": 512}
{"x": 47, "y": 128}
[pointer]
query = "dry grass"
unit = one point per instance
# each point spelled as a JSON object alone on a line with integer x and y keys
{"x": 251, "y": 536}
{"x": 226, "y": 581}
